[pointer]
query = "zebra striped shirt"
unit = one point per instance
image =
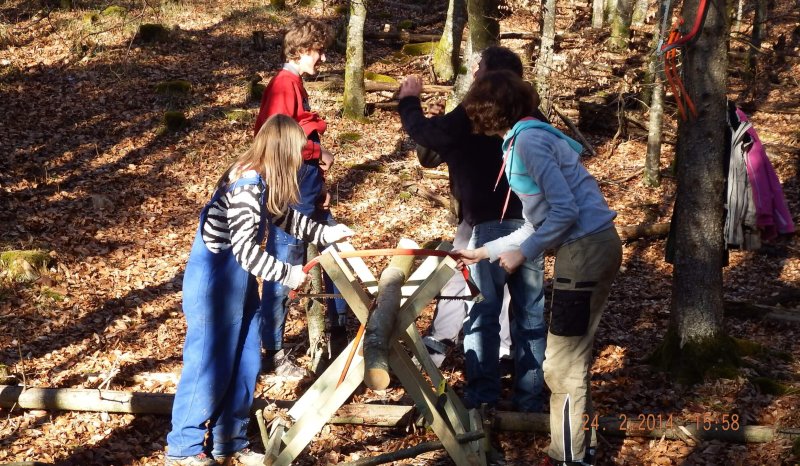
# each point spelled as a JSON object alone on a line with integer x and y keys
{"x": 232, "y": 222}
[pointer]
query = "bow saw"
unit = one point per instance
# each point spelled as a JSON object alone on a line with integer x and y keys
{"x": 474, "y": 292}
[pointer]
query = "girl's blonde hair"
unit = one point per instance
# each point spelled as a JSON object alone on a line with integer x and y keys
{"x": 276, "y": 154}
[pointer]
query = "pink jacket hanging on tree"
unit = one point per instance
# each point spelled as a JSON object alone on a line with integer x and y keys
{"x": 772, "y": 212}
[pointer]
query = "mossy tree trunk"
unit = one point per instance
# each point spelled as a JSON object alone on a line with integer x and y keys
{"x": 697, "y": 305}
{"x": 621, "y": 17}
{"x": 655, "y": 94}
{"x": 545, "y": 61}
{"x": 446, "y": 56}
{"x": 639, "y": 14}
{"x": 354, "y": 65}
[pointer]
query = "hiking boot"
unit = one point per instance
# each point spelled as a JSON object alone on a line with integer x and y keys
{"x": 197, "y": 460}
{"x": 279, "y": 363}
{"x": 246, "y": 457}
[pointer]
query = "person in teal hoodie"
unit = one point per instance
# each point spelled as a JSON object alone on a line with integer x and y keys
{"x": 564, "y": 211}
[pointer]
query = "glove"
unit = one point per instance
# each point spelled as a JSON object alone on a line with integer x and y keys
{"x": 336, "y": 233}
{"x": 295, "y": 277}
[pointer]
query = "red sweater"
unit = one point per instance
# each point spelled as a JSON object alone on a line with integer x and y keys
{"x": 285, "y": 94}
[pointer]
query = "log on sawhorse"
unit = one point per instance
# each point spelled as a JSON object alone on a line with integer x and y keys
{"x": 442, "y": 408}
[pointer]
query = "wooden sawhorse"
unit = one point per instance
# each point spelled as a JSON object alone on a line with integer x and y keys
{"x": 443, "y": 410}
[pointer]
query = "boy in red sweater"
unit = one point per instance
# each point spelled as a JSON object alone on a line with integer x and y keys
{"x": 303, "y": 49}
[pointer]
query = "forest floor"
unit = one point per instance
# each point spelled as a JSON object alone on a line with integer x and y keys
{"x": 87, "y": 174}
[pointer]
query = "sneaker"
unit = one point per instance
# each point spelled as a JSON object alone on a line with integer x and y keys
{"x": 280, "y": 364}
{"x": 246, "y": 457}
{"x": 197, "y": 460}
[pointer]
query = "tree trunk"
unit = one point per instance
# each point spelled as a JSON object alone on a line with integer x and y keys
{"x": 545, "y": 60}
{"x": 652, "y": 163}
{"x": 639, "y": 14}
{"x": 354, "y": 105}
{"x": 446, "y": 55}
{"x": 110, "y": 401}
{"x": 621, "y": 18}
{"x": 484, "y": 28}
{"x": 315, "y": 317}
{"x": 380, "y": 326}
{"x": 696, "y": 334}
{"x": 464, "y": 76}
{"x": 598, "y": 14}
{"x": 759, "y": 32}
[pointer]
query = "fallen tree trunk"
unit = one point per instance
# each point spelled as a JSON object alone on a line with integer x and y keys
{"x": 643, "y": 230}
{"x": 412, "y": 37}
{"x": 412, "y": 452}
{"x": 336, "y": 83}
{"x": 380, "y": 325}
{"x": 79, "y": 399}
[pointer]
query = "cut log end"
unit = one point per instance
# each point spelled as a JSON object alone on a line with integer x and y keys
{"x": 376, "y": 379}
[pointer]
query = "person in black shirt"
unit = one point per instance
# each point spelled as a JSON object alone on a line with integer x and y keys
{"x": 474, "y": 162}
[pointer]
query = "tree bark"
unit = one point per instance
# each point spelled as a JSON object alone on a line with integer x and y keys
{"x": 696, "y": 315}
{"x": 380, "y": 326}
{"x": 639, "y": 14}
{"x": 545, "y": 60}
{"x": 621, "y": 24}
{"x": 464, "y": 76}
{"x": 354, "y": 106}
{"x": 652, "y": 164}
{"x": 484, "y": 27}
{"x": 315, "y": 317}
{"x": 759, "y": 32}
{"x": 598, "y": 14}
{"x": 446, "y": 55}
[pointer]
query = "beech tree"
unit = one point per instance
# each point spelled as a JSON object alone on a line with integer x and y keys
{"x": 446, "y": 55}
{"x": 545, "y": 61}
{"x": 621, "y": 16}
{"x": 652, "y": 164}
{"x": 695, "y": 339}
{"x": 354, "y": 61}
{"x": 484, "y": 31}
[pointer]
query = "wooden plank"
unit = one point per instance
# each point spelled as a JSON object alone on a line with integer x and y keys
{"x": 301, "y": 433}
{"x": 481, "y": 446}
{"x": 360, "y": 268}
{"x": 416, "y": 386}
{"x": 347, "y": 283}
{"x": 454, "y": 407}
{"x": 424, "y": 294}
{"x": 324, "y": 385}
{"x": 273, "y": 447}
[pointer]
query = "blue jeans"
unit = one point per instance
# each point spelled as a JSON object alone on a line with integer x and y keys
{"x": 482, "y": 326}
{"x": 287, "y": 248}
{"x": 221, "y": 355}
